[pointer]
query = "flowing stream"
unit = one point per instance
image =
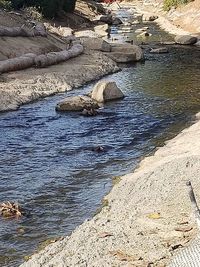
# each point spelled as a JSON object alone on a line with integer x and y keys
{"x": 49, "y": 162}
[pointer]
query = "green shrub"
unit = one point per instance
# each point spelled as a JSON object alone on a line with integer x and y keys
{"x": 49, "y": 8}
{"x": 5, "y": 4}
{"x": 168, "y": 4}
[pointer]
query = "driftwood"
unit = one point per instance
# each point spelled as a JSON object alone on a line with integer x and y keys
{"x": 58, "y": 57}
{"x": 37, "y": 30}
{"x": 41, "y": 61}
{"x": 18, "y": 63}
{"x": 10, "y": 209}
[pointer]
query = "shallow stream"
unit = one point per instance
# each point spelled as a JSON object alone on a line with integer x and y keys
{"x": 48, "y": 160}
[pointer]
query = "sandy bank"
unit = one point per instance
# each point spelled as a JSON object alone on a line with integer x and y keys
{"x": 25, "y": 86}
{"x": 147, "y": 216}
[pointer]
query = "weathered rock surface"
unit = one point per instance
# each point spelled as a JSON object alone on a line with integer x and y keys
{"x": 116, "y": 21}
{"x": 77, "y": 103}
{"x": 186, "y": 39}
{"x": 107, "y": 19}
{"x": 96, "y": 44}
{"x": 105, "y": 91}
{"x": 124, "y": 53}
{"x": 197, "y": 43}
{"x": 160, "y": 50}
{"x": 87, "y": 33}
{"x": 102, "y": 29}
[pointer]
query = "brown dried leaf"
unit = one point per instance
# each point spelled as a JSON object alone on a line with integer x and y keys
{"x": 155, "y": 215}
{"x": 122, "y": 256}
{"x": 184, "y": 229}
{"x": 104, "y": 234}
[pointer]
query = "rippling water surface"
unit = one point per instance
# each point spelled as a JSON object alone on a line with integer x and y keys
{"x": 48, "y": 160}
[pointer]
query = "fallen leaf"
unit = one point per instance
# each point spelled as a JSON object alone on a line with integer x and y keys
{"x": 104, "y": 234}
{"x": 122, "y": 256}
{"x": 155, "y": 215}
{"x": 184, "y": 229}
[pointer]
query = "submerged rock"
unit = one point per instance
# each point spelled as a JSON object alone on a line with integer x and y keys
{"x": 89, "y": 112}
{"x": 77, "y": 103}
{"x": 105, "y": 91}
{"x": 144, "y": 34}
{"x": 160, "y": 50}
{"x": 186, "y": 39}
{"x": 124, "y": 53}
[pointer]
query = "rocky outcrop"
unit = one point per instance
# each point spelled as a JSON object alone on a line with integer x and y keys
{"x": 96, "y": 44}
{"x": 186, "y": 39}
{"x": 105, "y": 91}
{"x": 77, "y": 103}
{"x": 125, "y": 53}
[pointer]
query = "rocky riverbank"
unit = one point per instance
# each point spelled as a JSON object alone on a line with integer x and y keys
{"x": 146, "y": 218}
{"x": 182, "y": 20}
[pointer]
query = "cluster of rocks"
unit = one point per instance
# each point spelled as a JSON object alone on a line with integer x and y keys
{"x": 103, "y": 92}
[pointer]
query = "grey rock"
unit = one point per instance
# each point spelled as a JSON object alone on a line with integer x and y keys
{"x": 77, "y": 103}
{"x": 96, "y": 44}
{"x": 107, "y": 19}
{"x": 160, "y": 50}
{"x": 105, "y": 91}
{"x": 186, "y": 39}
{"x": 116, "y": 21}
{"x": 134, "y": 52}
{"x": 101, "y": 30}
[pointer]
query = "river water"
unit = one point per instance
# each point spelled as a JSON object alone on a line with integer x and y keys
{"x": 48, "y": 160}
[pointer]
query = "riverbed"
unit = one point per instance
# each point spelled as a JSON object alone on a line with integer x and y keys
{"x": 49, "y": 162}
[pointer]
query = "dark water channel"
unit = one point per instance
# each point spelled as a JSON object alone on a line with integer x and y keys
{"x": 48, "y": 162}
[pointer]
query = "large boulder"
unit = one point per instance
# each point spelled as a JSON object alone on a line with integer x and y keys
{"x": 77, "y": 103}
{"x": 105, "y": 91}
{"x": 124, "y": 53}
{"x": 186, "y": 39}
{"x": 96, "y": 44}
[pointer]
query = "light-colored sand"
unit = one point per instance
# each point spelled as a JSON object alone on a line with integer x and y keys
{"x": 129, "y": 231}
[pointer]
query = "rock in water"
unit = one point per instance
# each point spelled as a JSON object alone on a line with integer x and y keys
{"x": 77, "y": 103}
{"x": 185, "y": 39}
{"x": 149, "y": 17}
{"x": 160, "y": 50}
{"x": 124, "y": 53}
{"x": 105, "y": 91}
